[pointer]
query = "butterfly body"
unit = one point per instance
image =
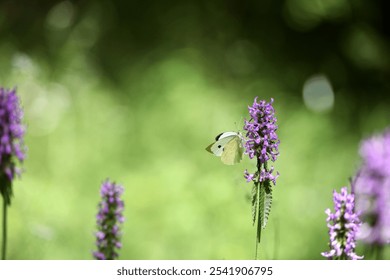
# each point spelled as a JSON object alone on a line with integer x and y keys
{"x": 228, "y": 146}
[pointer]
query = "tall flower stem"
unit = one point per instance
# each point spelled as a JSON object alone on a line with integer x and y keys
{"x": 263, "y": 197}
{"x": 259, "y": 202}
{"x": 6, "y": 193}
{"x": 260, "y": 220}
{"x": 262, "y": 143}
{"x": 4, "y": 243}
{"x": 258, "y": 205}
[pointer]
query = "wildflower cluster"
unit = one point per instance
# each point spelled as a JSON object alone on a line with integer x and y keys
{"x": 343, "y": 226}
{"x": 11, "y": 140}
{"x": 372, "y": 189}
{"x": 262, "y": 141}
{"x": 108, "y": 219}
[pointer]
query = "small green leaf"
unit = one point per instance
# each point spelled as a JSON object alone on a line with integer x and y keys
{"x": 260, "y": 217}
{"x": 267, "y": 209}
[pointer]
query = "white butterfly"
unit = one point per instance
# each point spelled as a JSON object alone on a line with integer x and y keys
{"x": 229, "y": 146}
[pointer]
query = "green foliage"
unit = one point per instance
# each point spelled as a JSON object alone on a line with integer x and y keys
{"x": 266, "y": 207}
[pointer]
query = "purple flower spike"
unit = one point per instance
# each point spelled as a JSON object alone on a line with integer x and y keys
{"x": 12, "y": 147}
{"x": 372, "y": 189}
{"x": 108, "y": 219}
{"x": 343, "y": 226}
{"x": 262, "y": 141}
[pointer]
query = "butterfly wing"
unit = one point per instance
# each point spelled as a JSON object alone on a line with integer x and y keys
{"x": 232, "y": 152}
{"x": 217, "y": 147}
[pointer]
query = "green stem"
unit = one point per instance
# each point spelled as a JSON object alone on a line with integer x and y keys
{"x": 258, "y": 231}
{"x": 3, "y": 249}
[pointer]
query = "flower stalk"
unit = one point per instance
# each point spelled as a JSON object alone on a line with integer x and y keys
{"x": 12, "y": 150}
{"x": 109, "y": 218}
{"x": 262, "y": 143}
{"x": 4, "y": 242}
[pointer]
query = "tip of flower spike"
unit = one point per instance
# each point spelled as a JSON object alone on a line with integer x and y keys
{"x": 262, "y": 140}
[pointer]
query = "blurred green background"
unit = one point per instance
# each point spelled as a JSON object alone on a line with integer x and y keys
{"x": 135, "y": 90}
